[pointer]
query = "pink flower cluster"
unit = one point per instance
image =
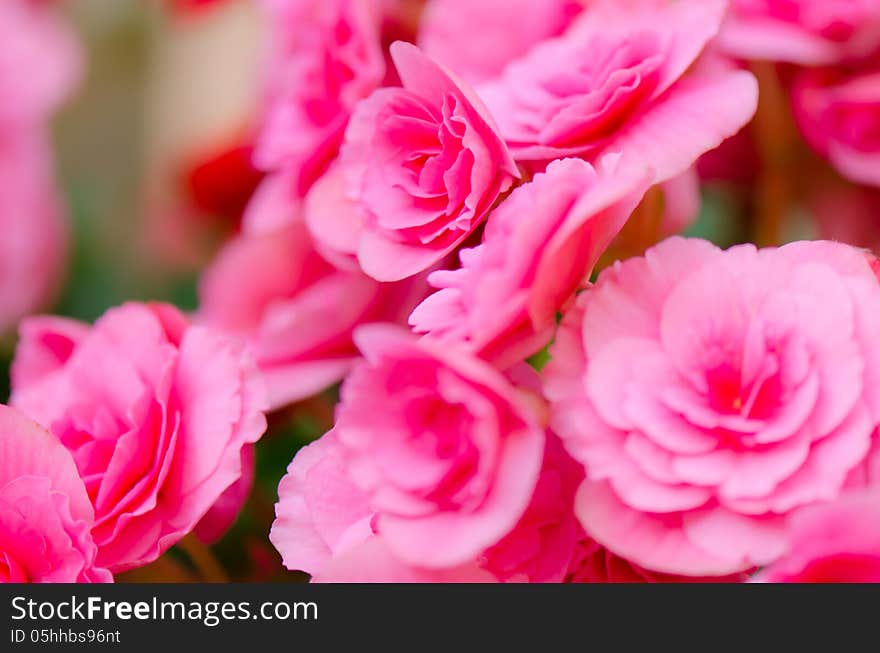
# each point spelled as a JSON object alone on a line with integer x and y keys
{"x": 388, "y": 171}
{"x": 703, "y": 412}
{"x": 438, "y": 194}
{"x": 157, "y": 415}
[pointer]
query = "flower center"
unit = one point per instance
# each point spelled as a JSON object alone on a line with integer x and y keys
{"x": 729, "y": 394}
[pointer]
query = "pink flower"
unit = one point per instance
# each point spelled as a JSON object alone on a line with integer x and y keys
{"x": 320, "y": 511}
{"x": 477, "y": 39}
{"x": 155, "y": 413}
{"x": 325, "y": 57}
{"x": 423, "y": 165}
{"x": 711, "y": 393}
{"x": 34, "y": 242}
{"x": 618, "y": 80}
{"x": 325, "y": 526}
{"x": 839, "y": 115}
{"x": 538, "y": 248}
{"x": 542, "y": 545}
{"x": 836, "y": 542}
{"x": 451, "y": 461}
{"x": 296, "y": 311}
{"x": 807, "y": 32}
{"x": 45, "y": 514}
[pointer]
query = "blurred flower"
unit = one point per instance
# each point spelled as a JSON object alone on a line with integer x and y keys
{"x": 839, "y": 115}
{"x": 325, "y": 56}
{"x": 478, "y": 39}
{"x": 711, "y": 393}
{"x": 296, "y": 310}
{"x": 33, "y": 244}
{"x": 45, "y": 513}
{"x": 33, "y": 227}
{"x": 34, "y": 38}
{"x": 806, "y": 32}
{"x": 155, "y": 413}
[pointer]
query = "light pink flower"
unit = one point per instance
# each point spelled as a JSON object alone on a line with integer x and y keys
{"x": 296, "y": 310}
{"x": 33, "y": 244}
{"x": 155, "y": 413}
{"x": 423, "y": 165}
{"x": 320, "y": 511}
{"x": 477, "y": 39}
{"x": 839, "y": 115}
{"x": 325, "y": 56}
{"x": 325, "y": 526}
{"x": 623, "y": 78}
{"x": 836, "y": 542}
{"x": 711, "y": 393}
{"x": 538, "y": 248}
{"x": 45, "y": 514}
{"x": 451, "y": 460}
{"x": 806, "y": 32}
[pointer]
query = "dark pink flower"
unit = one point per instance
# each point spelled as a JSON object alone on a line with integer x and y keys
{"x": 155, "y": 413}
{"x": 711, "y": 393}
{"x": 422, "y": 166}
